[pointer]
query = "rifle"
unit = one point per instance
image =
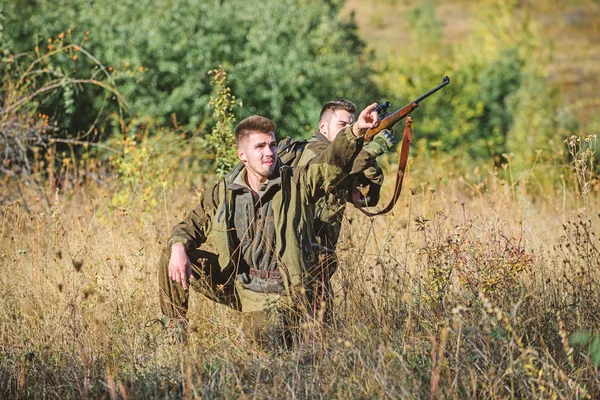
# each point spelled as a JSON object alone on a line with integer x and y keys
{"x": 387, "y": 121}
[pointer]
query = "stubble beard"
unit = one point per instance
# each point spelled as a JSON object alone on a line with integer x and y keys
{"x": 265, "y": 171}
{"x": 269, "y": 169}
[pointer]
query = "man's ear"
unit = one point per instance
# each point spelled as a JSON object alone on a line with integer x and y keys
{"x": 322, "y": 124}
{"x": 242, "y": 155}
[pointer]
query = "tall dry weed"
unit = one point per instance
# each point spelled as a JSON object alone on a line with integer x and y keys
{"x": 465, "y": 290}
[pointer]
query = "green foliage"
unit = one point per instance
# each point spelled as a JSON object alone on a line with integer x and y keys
{"x": 56, "y": 78}
{"x": 285, "y": 57}
{"x": 38, "y": 91}
{"x": 147, "y": 162}
{"x": 424, "y": 25}
{"x": 499, "y": 100}
{"x": 1, "y": 25}
{"x": 591, "y": 342}
{"x": 221, "y": 140}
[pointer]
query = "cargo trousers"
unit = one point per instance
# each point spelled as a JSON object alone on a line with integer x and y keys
{"x": 275, "y": 324}
{"x": 272, "y": 326}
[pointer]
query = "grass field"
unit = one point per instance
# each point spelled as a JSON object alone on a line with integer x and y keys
{"x": 472, "y": 288}
{"x": 483, "y": 282}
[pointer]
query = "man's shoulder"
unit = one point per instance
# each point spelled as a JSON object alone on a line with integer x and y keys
{"x": 290, "y": 150}
{"x": 289, "y": 143}
{"x": 211, "y": 196}
{"x": 214, "y": 192}
{"x": 316, "y": 145}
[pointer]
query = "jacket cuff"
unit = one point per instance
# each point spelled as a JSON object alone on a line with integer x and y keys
{"x": 176, "y": 239}
{"x": 350, "y": 134}
{"x": 371, "y": 151}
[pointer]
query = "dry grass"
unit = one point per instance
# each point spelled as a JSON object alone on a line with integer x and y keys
{"x": 470, "y": 289}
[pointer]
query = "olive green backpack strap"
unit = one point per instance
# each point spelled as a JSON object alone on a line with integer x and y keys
{"x": 290, "y": 151}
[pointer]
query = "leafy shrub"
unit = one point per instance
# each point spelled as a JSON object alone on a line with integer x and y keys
{"x": 37, "y": 92}
{"x": 221, "y": 141}
{"x": 479, "y": 263}
{"x": 498, "y": 102}
{"x": 591, "y": 342}
{"x": 285, "y": 58}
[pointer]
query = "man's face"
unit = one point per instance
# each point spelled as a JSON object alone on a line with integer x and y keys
{"x": 258, "y": 152}
{"x": 333, "y": 122}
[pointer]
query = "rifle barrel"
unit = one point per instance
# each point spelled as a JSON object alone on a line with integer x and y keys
{"x": 445, "y": 81}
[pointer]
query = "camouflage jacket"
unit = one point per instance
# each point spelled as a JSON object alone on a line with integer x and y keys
{"x": 293, "y": 214}
{"x": 361, "y": 186}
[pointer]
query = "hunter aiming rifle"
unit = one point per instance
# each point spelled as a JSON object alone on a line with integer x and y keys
{"x": 387, "y": 121}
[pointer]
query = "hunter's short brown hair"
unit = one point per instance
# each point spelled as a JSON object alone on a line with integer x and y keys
{"x": 253, "y": 124}
{"x": 337, "y": 104}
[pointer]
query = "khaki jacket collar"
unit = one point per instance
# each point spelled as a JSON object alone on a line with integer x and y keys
{"x": 320, "y": 137}
{"x": 238, "y": 184}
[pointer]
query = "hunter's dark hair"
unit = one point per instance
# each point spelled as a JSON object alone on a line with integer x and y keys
{"x": 337, "y": 104}
{"x": 253, "y": 124}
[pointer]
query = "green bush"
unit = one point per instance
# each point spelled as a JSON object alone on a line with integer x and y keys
{"x": 37, "y": 93}
{"x": 284, "y": 57}
{"x": 499, "y": 100}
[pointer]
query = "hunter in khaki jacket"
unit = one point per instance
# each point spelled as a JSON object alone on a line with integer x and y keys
{"x": 329, "y": 209}
{"x": 294, "y": 192}
{"x": 362, "y": 185}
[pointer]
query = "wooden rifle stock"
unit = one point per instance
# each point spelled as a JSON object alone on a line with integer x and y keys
{"x": 392, "y": 119}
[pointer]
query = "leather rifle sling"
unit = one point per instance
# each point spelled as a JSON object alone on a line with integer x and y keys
{"x": 406, "y": 141}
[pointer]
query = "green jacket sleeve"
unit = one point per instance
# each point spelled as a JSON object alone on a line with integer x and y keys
{"x": 362, "y": 161}
{"x": 329, "y": 167}
{"x": 365, "y": 163}
{"x": 366, "y": 172}
{"x": 197, "y": 224}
